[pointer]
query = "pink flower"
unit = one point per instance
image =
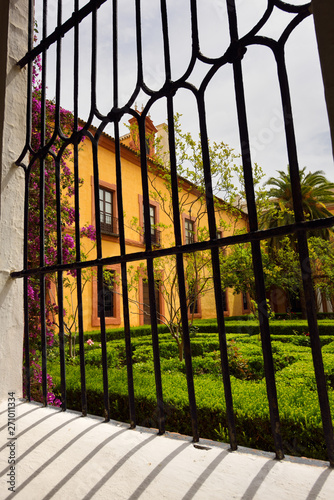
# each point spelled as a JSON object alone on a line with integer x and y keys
{"x": 90, "y": 342}
{"x": 89, "y": 231}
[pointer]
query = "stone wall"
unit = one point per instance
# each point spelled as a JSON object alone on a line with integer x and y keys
{"x": 13, "y": 45}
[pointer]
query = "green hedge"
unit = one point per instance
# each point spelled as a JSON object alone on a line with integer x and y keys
{"x": 249, "y": 327}
{"x": 298, "y": 327}
{"x": 284, "y": 327}
{"x": 118, "y": 333}
{"x": 298, "y": 315}
{"x": 298, "y": 405}
{"x": 296, "y": 387}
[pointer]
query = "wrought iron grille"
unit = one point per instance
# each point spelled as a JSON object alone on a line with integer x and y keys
{"x": 233, "y": 56}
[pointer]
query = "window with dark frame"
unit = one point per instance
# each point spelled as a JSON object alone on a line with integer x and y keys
{"x": 155, "y": 233}
{"x": 108, "y": 225}
{"x": 108, "y": 294}
{"x": 152, "y": 218}
{"x": 189, "y": 231}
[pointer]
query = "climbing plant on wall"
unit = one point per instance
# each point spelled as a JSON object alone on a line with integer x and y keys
{"x": 56, "y": 164}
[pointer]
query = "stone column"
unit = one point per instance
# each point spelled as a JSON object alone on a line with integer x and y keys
{"x": 323, "y": 13}
{"x": 13, "y": 46}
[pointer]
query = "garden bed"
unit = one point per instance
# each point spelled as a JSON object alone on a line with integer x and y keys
{"x": 296, "y": 387}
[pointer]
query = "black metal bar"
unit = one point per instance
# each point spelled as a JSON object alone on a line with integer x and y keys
{"x": 223, "y": 348}
{"x": 26, "y": 295}
{"x": 93, "y": 109}
{"x": 26, "y": 341}
{"x": 115, "y": 52}
{"x": 304, "y": 257}
{"x": 77, "y": 214}
{"x": 41, "y": 214}
{"x": 128, "y": 348}
{"x": 61, "y": 339}
{"x": 155, "y": 345}
{"x": 58, "y": 73}
{"x": 126, "y": 311}
{"x": 180, "y": 271}
{"x": 76, "y": 81}
{"x": 101, "y": 309}
{"x": 256, "y": 251}
{"x": 187, "y": 347}
{"x": 100, "y": 280}
{"x": 60, "y": 31}
{"x": 43, "y": 338}
{"x": 193, "y": 247}
{"x": 177, "y": 232}
{"x": 27, "y": 146}
{"x": 286, "y": 7}
{"x": 150, "y": 276}
{"x": 216, "y": 273}
{"x": 60, "y": 290}
{"x": 81, "y": 347}
{"x": 26, "y": 208}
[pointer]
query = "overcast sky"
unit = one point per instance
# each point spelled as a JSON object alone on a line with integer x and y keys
{"x": 261, "y": 86}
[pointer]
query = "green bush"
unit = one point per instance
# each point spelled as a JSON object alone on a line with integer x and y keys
{"x": 300, "y": 327}
{"x": 296, "y": 387}
{"x": 298, "y": 405}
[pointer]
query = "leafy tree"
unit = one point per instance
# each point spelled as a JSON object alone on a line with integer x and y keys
{"x": 317, "y": 192}
{"x": 225, "y": 170}
{"x": 280, "y": 266}
{"x": 322, "y": 264}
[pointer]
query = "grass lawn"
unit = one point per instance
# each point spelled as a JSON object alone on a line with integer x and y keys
{"x": 298, "y": 402}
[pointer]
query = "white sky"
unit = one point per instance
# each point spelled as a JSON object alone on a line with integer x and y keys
{"x": 261, "y": 85}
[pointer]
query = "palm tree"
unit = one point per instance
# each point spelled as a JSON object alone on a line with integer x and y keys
{"x": 317, "y": 193}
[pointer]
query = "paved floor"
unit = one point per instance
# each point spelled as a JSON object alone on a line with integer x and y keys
{"x": 65, "y": 456}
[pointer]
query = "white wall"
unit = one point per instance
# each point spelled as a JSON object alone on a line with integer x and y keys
{"x": 13, "y": 45}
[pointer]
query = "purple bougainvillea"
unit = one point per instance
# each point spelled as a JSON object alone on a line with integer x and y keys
{"x": 67, "y": 216}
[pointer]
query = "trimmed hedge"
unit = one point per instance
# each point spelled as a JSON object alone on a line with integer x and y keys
{"x": 298, "y": 315}
{"x": 118, "y": 333}
{"x": 249, "y": 327}
{"x": 298, "y": 327}
{"x": 300, "y": 417}
{"x": 298, "y": 402}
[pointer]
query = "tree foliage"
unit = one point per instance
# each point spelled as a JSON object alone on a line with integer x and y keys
{"x": 316, "y": 191}
{"x": 225, "y": 170}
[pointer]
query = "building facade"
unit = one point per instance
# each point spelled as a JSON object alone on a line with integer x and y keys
{"x": 198, "y": 272}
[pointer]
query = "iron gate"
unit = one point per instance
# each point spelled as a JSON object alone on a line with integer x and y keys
{"x": 232, "y": 56}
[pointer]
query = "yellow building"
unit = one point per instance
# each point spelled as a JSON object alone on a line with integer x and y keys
{"x": 193, "y": 224}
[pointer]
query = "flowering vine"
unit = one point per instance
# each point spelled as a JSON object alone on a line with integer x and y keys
{"x": 67, "y": 216}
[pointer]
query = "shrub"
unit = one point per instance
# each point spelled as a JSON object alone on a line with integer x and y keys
{"x": 296, "y": 388}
